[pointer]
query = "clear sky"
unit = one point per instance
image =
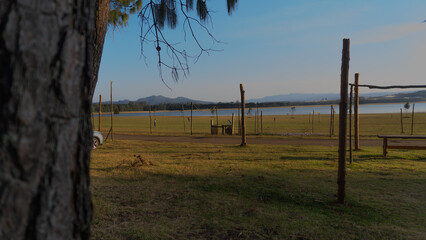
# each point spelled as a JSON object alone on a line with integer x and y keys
{"x": 277, "y": 47}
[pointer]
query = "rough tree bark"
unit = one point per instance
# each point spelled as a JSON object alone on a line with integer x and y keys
{"x": 101, "y": 25}
{"x": 45, "y": 130}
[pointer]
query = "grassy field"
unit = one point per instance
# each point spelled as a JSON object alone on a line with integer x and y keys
{"x": 370, "y": 124}
{"x": 151, "y": 190}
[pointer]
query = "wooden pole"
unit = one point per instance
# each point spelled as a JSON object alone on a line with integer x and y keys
{"x": 334, "y": 118}
{"x": 183, "y": 118}
{"x": 331, "y": 119}
{"x": 232, "y": 123}
{"x": 150, "y": 120}
{"x": 243, "y": 121}
{"x": 255, "y": 122}
{"x": 412, "y": 120}
{"x": 261, "y": 122}
{"x": 100, "y": 111}
{"x": 112, "y": 117}
{"x": 402, "y": 125}
{"x": 356, "y": 112}
{"x": 258, "y": 118}
{"x": 343, "y": 114}
{"x": 350, "y": 124}
{"x": 217, "y": 117}
{"x": 192, "y": 107}
{"x": 239, "y": 119}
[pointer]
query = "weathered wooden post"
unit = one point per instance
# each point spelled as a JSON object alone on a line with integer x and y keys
{"x": 402, "y": 125}
{"x": 261, "y": 122}
{"x": 112, "y": 117}
{"x": 232, "y": 123}
{"x": 255, "y": 122}
{"x": 217, "y": 117}
{"x": 412, "y": 120}
{"x": 258, "y": 118}
{"x": 331, "y": 119}
{"x": 150, "y": 120}
{"x": 100, "y": 111}
{"x": 243, "y": 121}
{"x": 192, "y": 107}
{"x": 350, "y": 124}
{"x": 356, "y": 112}
{"x": 183, "y": 118}
{"x": 343, "y": 114}
{"x": 239, "y": 119}
{"x": 334, "y": 115}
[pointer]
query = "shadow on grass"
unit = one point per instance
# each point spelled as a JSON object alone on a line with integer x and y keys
{"x": 306, "y": 158}
{"x": 266, "y": 191}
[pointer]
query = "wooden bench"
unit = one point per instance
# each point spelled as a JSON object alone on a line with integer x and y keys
{"x": 386, "y": 144}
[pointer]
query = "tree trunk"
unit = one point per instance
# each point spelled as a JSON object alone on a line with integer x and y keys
{"x": 46, "y": 72}
{"x": 101, "y": 25}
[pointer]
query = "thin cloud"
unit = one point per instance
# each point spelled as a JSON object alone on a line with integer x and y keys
{"x": 388, "y": 33}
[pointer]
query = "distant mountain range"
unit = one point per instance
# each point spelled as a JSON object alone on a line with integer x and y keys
{"x": 158, "y": 99}
{"x": 310, "y": 97}
{"x": 293, "y": 97}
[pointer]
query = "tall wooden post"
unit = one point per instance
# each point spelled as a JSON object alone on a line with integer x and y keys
{"x": 350, "y": 124}
{"x": 239, "y": 119}
{"x": 217, "y": 117}
{"x": 343, "y": 114}
{"x": 232, "y": 123}
{"x": 356, "y": 112}
{"x": 183, "y": 118}
{"x": 112, "y": 117}
{"x": 192, "y": 108}
{"x": 258, "y": 117}
{"x": 243, "y": 121}
{"x": 412, "y": 120}
{"x": 100, "y": 112}
{"x": 150, "y": 120}
{"x": 261, "y": 122}
{"x": 255, "y": 122}
{"x": 331, "y": 119}
{"x": 334, "y": 115}
{"x": 402, "y": 125}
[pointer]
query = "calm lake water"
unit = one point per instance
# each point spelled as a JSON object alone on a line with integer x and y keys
{"x": 373, "y": 108}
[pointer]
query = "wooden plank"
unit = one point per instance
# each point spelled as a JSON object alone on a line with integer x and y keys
{"x": 408, "y": 147}
{"x": 403, "y": 136}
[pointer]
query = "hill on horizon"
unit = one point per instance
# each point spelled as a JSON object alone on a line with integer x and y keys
{"x": 312, "y": 97}
{"x": 292, "y": 97}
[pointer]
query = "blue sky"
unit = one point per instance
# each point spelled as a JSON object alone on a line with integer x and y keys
{"x": 291, "y": 46}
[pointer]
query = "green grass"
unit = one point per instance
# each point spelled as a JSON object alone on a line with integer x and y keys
{"x": 370, "y": 124}
{"x": 207, "y": 191}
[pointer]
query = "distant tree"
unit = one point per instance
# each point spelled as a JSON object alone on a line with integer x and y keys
{"x": 213, "y": 110}
{"x": 249, "y": 111}
{"x": 406, "y": 107}
{"x": 116, "y": 110}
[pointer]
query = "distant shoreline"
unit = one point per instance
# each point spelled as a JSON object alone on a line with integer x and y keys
{"x": 300, "y": 106}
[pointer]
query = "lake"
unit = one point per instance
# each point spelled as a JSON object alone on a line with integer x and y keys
{"x": 367, "y": 108}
